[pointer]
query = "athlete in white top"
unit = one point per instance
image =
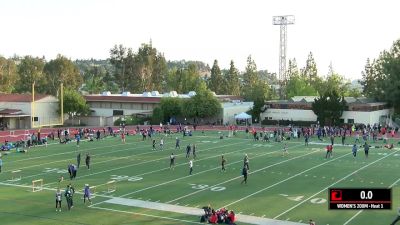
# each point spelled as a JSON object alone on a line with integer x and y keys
{"x": 190, "y": 167}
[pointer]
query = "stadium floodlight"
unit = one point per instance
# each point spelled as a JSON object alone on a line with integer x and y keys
{"x": 282, "y": 21}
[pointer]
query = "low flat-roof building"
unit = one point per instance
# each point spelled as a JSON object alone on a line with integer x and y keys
{"x": 299, "y": 108}
{"x": 16, "y": 111}
{"x": 107, "y": 107}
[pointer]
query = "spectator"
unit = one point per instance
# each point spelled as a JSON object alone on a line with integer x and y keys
{"x": 214, "y": 218}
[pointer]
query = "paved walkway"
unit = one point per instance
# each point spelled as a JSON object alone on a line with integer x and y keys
{"x": 194, "y": 211}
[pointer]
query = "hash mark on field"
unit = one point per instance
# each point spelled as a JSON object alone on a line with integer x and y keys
{"x": 300, "y": 221}
{"x": 186, "y": 204}
{"x": 251, "y": 214}
{"x": 139, "y": 198}
{"x": 263, "y": 216}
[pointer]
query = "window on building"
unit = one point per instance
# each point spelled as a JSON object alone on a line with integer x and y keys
{"x": 118, "y": 112}
{"x": 35, "y": 119}
{"x": 350, "y": 120}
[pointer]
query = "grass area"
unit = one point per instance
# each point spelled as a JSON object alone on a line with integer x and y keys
{"x": 292, "y": 188}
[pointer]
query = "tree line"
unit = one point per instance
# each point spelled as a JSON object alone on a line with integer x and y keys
{"x": 147, "y": 69}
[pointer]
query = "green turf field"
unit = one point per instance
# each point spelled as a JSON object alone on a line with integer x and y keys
{"x": 291, "y": 188}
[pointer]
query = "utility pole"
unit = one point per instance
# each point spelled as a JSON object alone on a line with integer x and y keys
{"x": 282, "y": 21}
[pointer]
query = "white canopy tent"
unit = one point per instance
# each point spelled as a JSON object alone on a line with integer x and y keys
{"x": 243, "y": 116}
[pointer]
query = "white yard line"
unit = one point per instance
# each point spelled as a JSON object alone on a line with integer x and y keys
{"x": 48, "y": 189}
{"x": 359, "y": 212}
{"x": 195, "y": 174}
{"x": 140, "y": 163}
{"x": 224, "y": 182}
{"x": 184, "y": 164}
{"x": 345, "y": 177}
{"x": 61, "y": 153}
{"x": 80, "y": 150}
{"x": 348, "y": 221}
{"x": 144, "y": 214}
{"x": 289, "y": 178}
{"x": 191, "y": 211}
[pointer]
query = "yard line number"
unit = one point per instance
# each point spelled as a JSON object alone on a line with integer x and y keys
{"x": 125, "y": 178}
{"x": 301, "y": 197}
{"x": 205, "y": 186}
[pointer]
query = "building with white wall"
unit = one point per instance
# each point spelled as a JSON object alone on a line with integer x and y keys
{"x": 19, "y": 111}
{"x": 107, "y": 107}
{"x": 299, "y": 108}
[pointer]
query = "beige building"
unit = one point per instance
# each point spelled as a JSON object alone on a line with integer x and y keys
{"x": 299, "y": 108}
{"x": 19, "y": 111}
{"x": 107, "y": 107}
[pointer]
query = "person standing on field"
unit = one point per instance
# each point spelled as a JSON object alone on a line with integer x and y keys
{"x": 190, "y": 167}
{"x": 223, "y": 161}
{"x": 87, "y": 161}
{"x": 244, "y": 173}
{"x": 58, "y": 200}
{"x": 78, "y": 159}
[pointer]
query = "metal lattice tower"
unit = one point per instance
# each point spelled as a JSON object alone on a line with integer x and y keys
{"x": 283, "y": 21}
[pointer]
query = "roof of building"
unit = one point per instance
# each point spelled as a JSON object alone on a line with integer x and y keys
{"x": 311, "y": 99}
{"x": 10, "y": 111}
{"x": 150, "y": 98}
{"x": 119, "y": 98}
{"x": 20, "y": 97}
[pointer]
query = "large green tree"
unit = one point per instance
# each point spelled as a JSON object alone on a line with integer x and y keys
{"x": 203, "y": 105}
{"x": 171, "y": 107}
{"x": 183, "y": 80}
{"x": 145, "y": 70}
{"x": 30, "y": 70}
{"x": 61, "y": 70}
{"x": 158, "y": 116}
{"x": 119, "y": 58}
{"x": 329, "y": 107}
{"x": 74, "y": 103}
{"x": 298, "y": 86}
{"x": 216, "y": 79}
{"x": 94, "y": 79}
{"x": 8, "y": 75}
{"x": 232, "y": 80}
{"x": 381, "y": 78}
{"x": 250, "y": 78}
{"x": 310, "y": 72}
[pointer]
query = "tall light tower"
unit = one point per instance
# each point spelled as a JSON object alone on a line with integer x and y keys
{"x": 283, "y": 21}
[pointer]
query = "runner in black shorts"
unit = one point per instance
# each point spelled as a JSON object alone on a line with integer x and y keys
{"x": 172, "y": 161}
{"x": 366, "y": 149}
{"x": 223, "y": 161}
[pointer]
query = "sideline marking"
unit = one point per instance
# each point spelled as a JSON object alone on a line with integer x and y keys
{"x": 195, "y": 192}
{"x": 359, "y": 212}
{"x": 345, "y": 177}
{"x": 289, "y": 178}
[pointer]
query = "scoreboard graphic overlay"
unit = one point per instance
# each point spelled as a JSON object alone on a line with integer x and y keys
{"x": 360, "y": 198}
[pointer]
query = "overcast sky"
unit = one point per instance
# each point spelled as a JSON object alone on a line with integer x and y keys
{"x": 344, "y": 32}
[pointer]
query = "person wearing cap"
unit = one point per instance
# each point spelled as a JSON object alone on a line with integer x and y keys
{"x": 86, "y": 194}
